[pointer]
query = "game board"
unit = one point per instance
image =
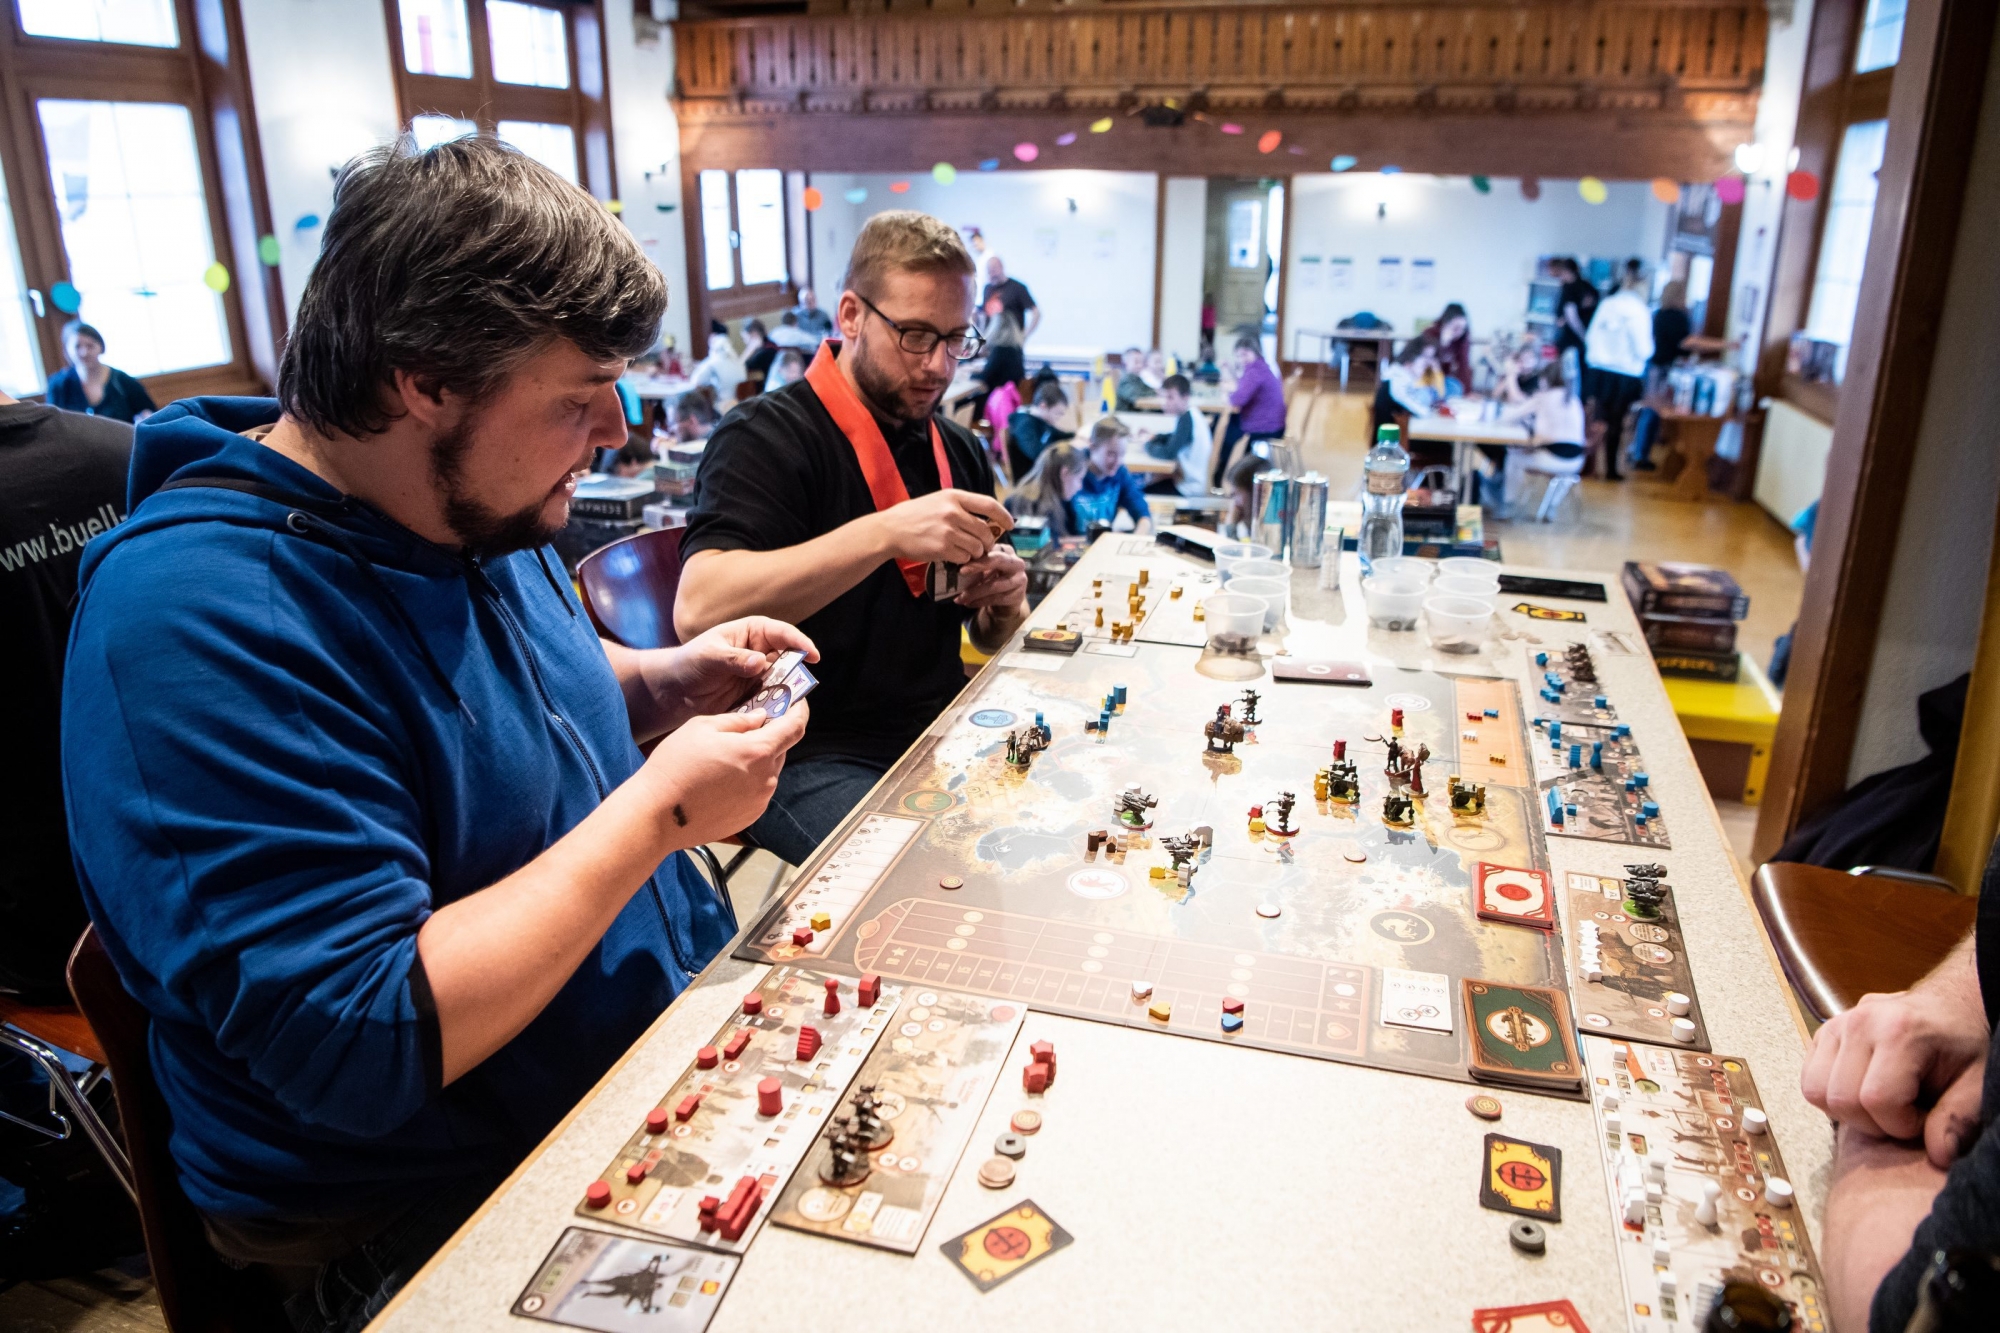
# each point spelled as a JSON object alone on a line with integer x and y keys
{"x": 1164, "y": 614}
{"x": 964, "y": 871}
{"x": 593, "y": 1279}
{"x": 1643, "y": 963}
{"x": 1677, "y": 1126}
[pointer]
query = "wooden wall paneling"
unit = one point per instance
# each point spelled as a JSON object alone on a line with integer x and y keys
{"x": 1933, "y": 116}
{"x": 697, "y": 266}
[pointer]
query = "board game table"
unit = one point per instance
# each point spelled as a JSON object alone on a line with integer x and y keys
{"x": 1317, "y": 1168}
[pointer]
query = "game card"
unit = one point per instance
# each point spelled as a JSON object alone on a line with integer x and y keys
{"x": 1541, "y": 1317}
{"x": 1416, "y": 999}
{"x": 592, "y": 1279}
{"x": 1521, "y": 1035}
{"x": 995, "y": 1250}
{"x": 1519, "y": 897}
{"x": 1524, "y": 1178}
{"x": 785, "y": 682}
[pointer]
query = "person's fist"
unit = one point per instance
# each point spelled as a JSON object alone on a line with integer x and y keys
{"x": 998, "y": 578}
{"x": 1877, "y": 1066}
{"x": 715, "y": 775}
{"x": 950, "y": 525}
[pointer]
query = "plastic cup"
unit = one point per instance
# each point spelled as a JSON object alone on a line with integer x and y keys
{"x": 1228, "y": 553}
{"x": 1275, "y": 592}
{"x": 1276, "y": 570}
{"x": 1458, "y": 624}
{"x": 1468, "y": 566}
{"x": 1402, "y": 566}
{"x": 1232, "y": 614}
{"x": 1393, "y": 603}
{"x": 1458, "y": 585}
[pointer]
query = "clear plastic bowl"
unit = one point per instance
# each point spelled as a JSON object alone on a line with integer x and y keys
{"x": 1273, "y": 591}
{"x": 1233, "y": 614}
{"x": 1403, "y": 566}
{"x": 1459, "y": 585}
{"x": 1393, "y": 603}
{"x": 1276, "y": 570}
{"x": 1458, "y": 624}
{"x": 1468, "y": 566}
{"x": 1228, "y": 553}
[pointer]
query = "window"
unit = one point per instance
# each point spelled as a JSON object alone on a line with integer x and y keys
{"x": 760, "y": 224}
{"x": 746, "y": 240}
{"x": 1843, "y": 245}
{"x": 132, "y": 22}
{"x": 1881, "y": 35}
{"x": 20, "y": 354}
{"x": 717, "y": 236}
{"x": 511, "y": 69}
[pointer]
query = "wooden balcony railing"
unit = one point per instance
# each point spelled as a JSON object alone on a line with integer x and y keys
{"x": 1332, "y": 56}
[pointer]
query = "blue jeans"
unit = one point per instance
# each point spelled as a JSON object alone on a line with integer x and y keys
{"x": 813, "y": 796}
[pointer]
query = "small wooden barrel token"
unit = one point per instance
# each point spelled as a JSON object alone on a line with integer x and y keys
{"x": 1026, "y": 1122}
{"x": 996, "y": 1173}
{"x": 951, "y": 882}
{"x": 1484, "y": 1105}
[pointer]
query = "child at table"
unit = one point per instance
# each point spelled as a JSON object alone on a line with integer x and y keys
{"x": 1108, "y": 486}
{"x": 1188, "y": 445}
{"x": 1553, "y": 415}
{"x": 1049, "y": 487}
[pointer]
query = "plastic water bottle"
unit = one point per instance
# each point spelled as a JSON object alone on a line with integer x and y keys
{"x": 1386, "y": 469}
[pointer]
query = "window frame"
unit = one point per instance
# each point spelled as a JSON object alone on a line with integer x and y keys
{"x": 205, "y": 73}
{"x": 736, "y": 301}
{"x": 485, "y": 101}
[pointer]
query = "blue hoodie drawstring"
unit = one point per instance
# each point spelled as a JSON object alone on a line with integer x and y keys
{"x": 569, "y": 605}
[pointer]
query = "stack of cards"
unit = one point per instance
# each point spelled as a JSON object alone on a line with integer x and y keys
{"x": 785, "y": 683}
{"x": 1521, "y": 1037}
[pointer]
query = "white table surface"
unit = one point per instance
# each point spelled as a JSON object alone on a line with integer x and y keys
{"x": 1469, "y": 430}
{"x": 1211, "y": 1187}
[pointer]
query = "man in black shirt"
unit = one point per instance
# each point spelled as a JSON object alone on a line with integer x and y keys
{"x": 825, "y": 503}
{"x": 1575, "y": 304}
{"x": 1013, "y": 296}
{"x": 1913, "y": 1080}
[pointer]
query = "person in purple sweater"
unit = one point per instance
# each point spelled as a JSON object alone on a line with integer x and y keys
{"x": 1259, "y": 401}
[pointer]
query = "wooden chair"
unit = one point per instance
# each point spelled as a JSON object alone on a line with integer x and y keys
{"x": 198, "y": 1288}
{"x": 1841, "y": 935}
{"x": 749, "y": 389}
{"x": 39, "y": 1032}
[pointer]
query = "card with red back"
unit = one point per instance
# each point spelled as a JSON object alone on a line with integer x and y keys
{"x": 1519, "y": 897}
{"x": 1542, "y": 1317}
{"x": 1320, "y": 671}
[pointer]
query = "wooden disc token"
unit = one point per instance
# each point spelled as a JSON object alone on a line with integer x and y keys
{"x": 951, "y": 882}
{"x": 1357, "y": 858}
{"x": 1026, "y": 1122}
{"x": 996, "y": 1173}
{"x": 1268, "y": 909}
{"x": 1011, "y": 1145}
{"x": 1484, "y": 1105}
{"x": 1527, "y": 1237}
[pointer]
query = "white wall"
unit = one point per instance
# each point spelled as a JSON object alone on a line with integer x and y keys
{"x": 646, "y": 140}
{"x": 1764, "y": 194}
{"x": 1937, "y": 580}
{"x": 1181, "y": 267}
{"x": 1484, "y": 245}
{"x": 1091, "y": 269}
{"x": 1791, "y": 463}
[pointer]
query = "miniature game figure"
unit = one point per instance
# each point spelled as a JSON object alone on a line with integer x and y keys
{"x": 1182, "y": 851}
{"x": 1223, "y": 732}
{"x": 1278, "y": 816}
{"x": 1643, "y": 890}
{"x": 1015, "y": 759}
{"x": 846, "y": 1155}
{"x": 1395, "y": 756}
{"x": 1132, "y": 807}
{"x": 870, "y": 1127}
{"x": 1582, "y": 670}
{"x": 1406, "y": 767}
{"x": 1250, "y": 699}
{"x": 1343, "y": 782}
{"x": 1396, "y": 809}
{"x": 1467, "y": 798}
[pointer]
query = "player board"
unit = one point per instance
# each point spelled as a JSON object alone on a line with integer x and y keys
{"x": 930, "y": 1075}
{"x": 1699, "y": 1194}
{"x": 711, "y": 1132}
{"x": 965, "y": 871}
{"x": 593, "y": 1279}
{"x": 1636, "y": 977}
{"x": 1592, "y": 780}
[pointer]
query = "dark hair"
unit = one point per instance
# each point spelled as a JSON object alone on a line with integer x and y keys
{"x": 792, "y": 356}
{"x": 1178, "y": 383}
{"x": 76, "y": 328}
{"x": 1415, "y": 348}
{"x": 1243, "y": 472}
{"x": 1049, "y": 393}
{"x": 1248, "y": 344}
{"x": 636, "y": 449}
{"x": 755, "y": 326}
{"x": 789, "y": 320}
{"x": 454, "y": 265}
{"x": 1454, "y": 311}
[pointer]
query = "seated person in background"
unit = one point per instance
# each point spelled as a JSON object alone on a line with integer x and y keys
{"x": 1912, "y": 1080}
{"x": 1553, "y": 415}
{"x": 1408, "y": 387}
{"x": 1241, "y": 487}
{"x": 1671, "y": 327}
{"x": 1155, "y": 370}
{"x": 789, "y": 334}
{"x": 721, "y": 371}
{"x": 788, "y": 368}
{"x": 633, "y": 457}
{"x": 826, "y": 504}
{"x": 1108, "y": 486}
{"x": 1188, "y": 444}
{"x": 1036, "y": 427}
{"x": 89, "y": 386}
{"x": 758, "y": 350}
{"x": 1259, "y": 401}
{"x": 1618, "y": 346}
{"x": 370, "y": 835}
{"x": 1001, "y": 404}
{"x": 1132, "y": 384}
{"x": 1453, "y": 332}
{"x": 1049, "y": 487}
{"x": 695, "y": 414}
{"x": 809, "y": 318}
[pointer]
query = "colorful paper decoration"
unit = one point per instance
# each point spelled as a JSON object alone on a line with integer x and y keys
{"x": 1026, "y": 152}
{"x": 990, "y": 164}
{"x": 1230, "y": 128}
{"x": 1666, "y": 191}
{"x": 269, "y": 251}
{"x": 899, "y": 187}
{"x": 944, "y": 173}
{"x": 1392, "y": 170}
{"x": 306, "y": 222}
{"x": 614, "y": 206}
{"x": 66, "y": 297}
{"x": 216, "y": 278}
{"x": 1802, "y": 186}
{"x": 1482, "y": 184}
{"x": 1531, "y": 188}
{"x": 812, "y": 198}
{"x": 1343, "y": 161}
{"x": 1729, "y": 189}
{"x": 1101, "y": 126}
{"x": 1592, "y": 190}
{"x": 857, "y": 195}
{"x": 1268, "y": 141}
{"x": 1065, "y": 140}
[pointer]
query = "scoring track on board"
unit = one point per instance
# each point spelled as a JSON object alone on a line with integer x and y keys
{"x": 1035, "y": 917}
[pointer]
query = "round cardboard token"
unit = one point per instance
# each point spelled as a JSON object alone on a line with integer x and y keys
{"x": 1484, "y": 1105}
{"x": 1356, "y": 858}
{"x": 1026, "y": 1122}
{"x": 951, "y": 882}
{"x": 1268, "y": 909}
{"x": 996, "y": 1173}
{"x": 1011, "y": 1145}
{"x": 1527, "y": 1237}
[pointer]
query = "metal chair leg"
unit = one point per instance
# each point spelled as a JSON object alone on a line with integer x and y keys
{"x": 718, "y": 880}
{"x": 63, "y": 1087}
{"x": 743, "y": 854}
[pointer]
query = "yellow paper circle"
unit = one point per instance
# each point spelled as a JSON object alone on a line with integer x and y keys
{"x": 216, "y": 278}
{"x": 614, "y": 206}
{"x": 944, "y": 173}
{"x": 1592, "y": 190}
{"x": 1101, "y": 126}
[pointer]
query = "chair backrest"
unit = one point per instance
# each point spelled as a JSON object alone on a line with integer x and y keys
{"x": 197, "y": 1289}
{"x": 629, "y": 587}
{"x": 749, "y": 389}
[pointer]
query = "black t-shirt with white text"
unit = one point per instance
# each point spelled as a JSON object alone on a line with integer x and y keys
{"x": 777, "y": 473}
{"x": 64, "y": 478}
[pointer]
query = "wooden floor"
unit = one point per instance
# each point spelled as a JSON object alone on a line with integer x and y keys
{"x": 1606, "y": 524}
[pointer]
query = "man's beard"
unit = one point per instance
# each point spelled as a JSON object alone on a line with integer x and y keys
{"x": 886, "y": 392}
{"x": 484, "y": 531}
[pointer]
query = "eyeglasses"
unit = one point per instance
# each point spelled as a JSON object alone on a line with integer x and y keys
{"x": 922, "y": 342}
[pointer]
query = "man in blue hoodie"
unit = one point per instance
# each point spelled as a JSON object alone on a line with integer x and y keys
{"x": 356, "y": 795}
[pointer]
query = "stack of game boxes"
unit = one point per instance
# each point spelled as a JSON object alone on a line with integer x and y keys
{"x": 1688, "y": 614}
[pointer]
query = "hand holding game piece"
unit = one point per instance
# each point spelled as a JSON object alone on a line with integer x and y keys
{"x": 957, "y": 527}
{"x": 714, "y": 775}
{"x": 712, "y": 672}
{"x": 997, "y": 578}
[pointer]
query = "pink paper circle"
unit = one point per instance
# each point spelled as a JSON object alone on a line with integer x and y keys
{"x": 1730, "y": 189}
{"x": 1026, "y": 152}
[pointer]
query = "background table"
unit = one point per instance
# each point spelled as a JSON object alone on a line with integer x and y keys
{"x": 1207, "y": 1186}
{"x": 1461, "y": 433}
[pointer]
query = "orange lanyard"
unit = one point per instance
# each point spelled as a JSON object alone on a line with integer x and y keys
{"x": 878, "y": 466}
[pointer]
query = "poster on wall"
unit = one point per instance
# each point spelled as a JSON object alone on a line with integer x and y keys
{"x": 1340, "y": 273}
{"x": 1246, "y": 218}
{"x": 1423, "y": 275}
{"x": 1389, "y": 273}
{"x": 1046, "y": 239}
{"x": 1105, "y": 245}
{"x": 1309, "y": 271}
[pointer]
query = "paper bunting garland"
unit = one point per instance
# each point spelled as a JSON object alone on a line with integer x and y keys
{"x": 1065, "y": 140}
{"x": 1392, "y": 170}
{"x": 1231, "y": 129}
{"x": 899, "y": 187}
{"x": 1343, "y": 162}
{"x": 1482, "y": 184}
{"x": 1268, "y": 142}
{"x": 1729, "y": 189}
{"x": 944, "y": 173}
{"x": 269, "y": 251}
{"x": 990, "y": 164}
{"x": 216, "y": 278}
{"x": 66, "y": 297}
{"x": 857, "y": 195}
{"x": 1026, "y": 152}
{"x": 812, "y": 198}
{"x": 1666, "y": 191}
{"x": 1101, "y": 126}
{"x": 1531, "y": 188}
{"x": 1802, "y": 186}
{"x": 1592, "y": 190}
